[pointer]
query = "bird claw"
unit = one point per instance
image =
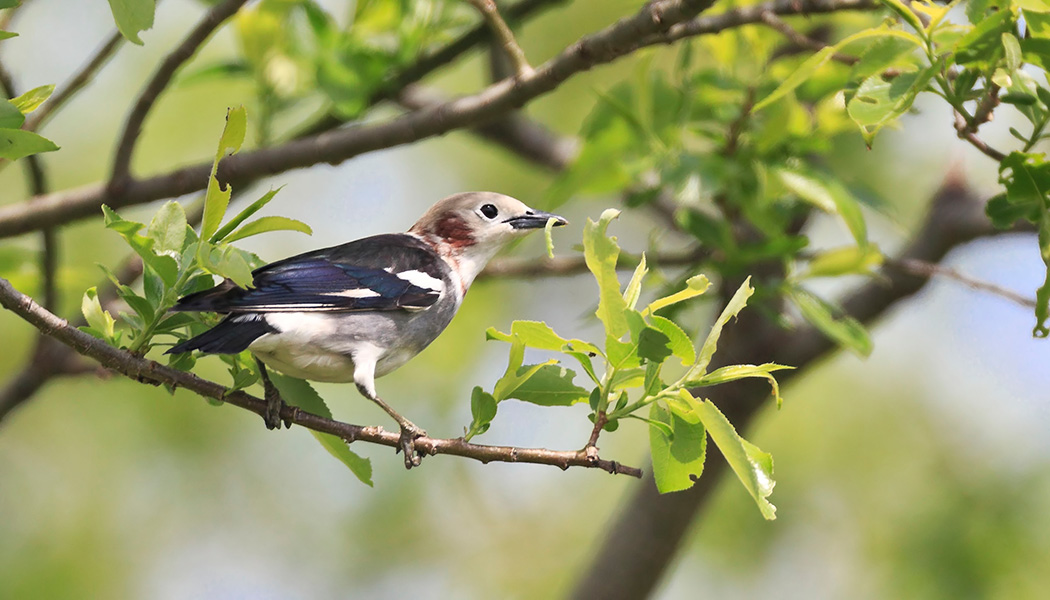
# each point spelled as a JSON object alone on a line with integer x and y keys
{"x": 274, "y": 404}
{"x": 407, "y": 444}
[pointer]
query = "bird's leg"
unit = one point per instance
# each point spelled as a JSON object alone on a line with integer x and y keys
{"x": 409, "y": 430}
{"x": 364, "y": 376}
{"x": 274, "y": 402}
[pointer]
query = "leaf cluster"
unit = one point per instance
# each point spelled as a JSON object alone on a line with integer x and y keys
{"x": 297, "y": 53}
{"x": 178, "y": 260}
{"x": 646, "y": 368}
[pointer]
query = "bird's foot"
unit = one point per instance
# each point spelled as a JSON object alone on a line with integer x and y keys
{"x": 407, "y": 443}
{"x": 274, "y": 404}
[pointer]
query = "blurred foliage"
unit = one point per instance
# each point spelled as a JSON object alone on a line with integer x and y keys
{"x": 742, "y": 134}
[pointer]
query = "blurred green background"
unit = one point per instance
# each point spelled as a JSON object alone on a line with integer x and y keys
{"x": 921, "y": 472}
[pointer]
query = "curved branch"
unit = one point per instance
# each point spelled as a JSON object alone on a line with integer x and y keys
{"x": 616, "y": 41}
{"x": 160, "y": 81}
{"x": 154, "y": 373}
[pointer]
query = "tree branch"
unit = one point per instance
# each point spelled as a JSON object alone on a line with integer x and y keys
{"x": 515, "y": 132}
{"x": 159, "y": 82}
{"x": 965, "y": 132}
{"x": 431, "y": 62}
{"x": 147, "y": 371}
{"x": 337, "y": 146}
{"x": 923, "y": 268}
{"x": 510, "y": 46}
{"x": 647, "y": 534}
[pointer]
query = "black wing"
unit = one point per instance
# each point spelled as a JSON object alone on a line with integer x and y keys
{"x": 360, "y": 275}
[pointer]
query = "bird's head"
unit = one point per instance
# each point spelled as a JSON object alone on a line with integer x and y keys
{"x": 468, "y": 229}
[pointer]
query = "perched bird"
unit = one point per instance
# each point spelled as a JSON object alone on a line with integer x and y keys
{"x": 358, "y": 311}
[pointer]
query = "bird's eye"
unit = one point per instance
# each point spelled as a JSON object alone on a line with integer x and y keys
{"x": 489, "y": 211}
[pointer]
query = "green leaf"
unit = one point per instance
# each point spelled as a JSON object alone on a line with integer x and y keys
{"x": 601, "y": 253}
{"x": 1012, "y": 50}
{"x": 733, "y": 307}
{"x": 904, "y": 13}
{"x": 621, "y": 355}
{"x": 539, "y": 335}
{"x": 242, "y": 216}
{"x": 1027, "y": 181}
{"x": 1042, "y": 295}
{"x": 883, "y": 54}
{"x": 548, "y": 236}
{"x": 653, "y": 345}
{"x": 878, "y": 101}
{"x": 848, "y": 260}
{"x": 217, "y": 198}
{"x": 4, "y": 35}
{"x": 168, "y": 230}
{"x": 98, "y": 319}
{"x": 752, "y": 466}
{"x": 634, "y": 287}
{"x": 549, "y": 385}
{"x": 163, "y": 266}
{"x": 735, "y": 372}
{"x": 832, "y": 322}
{"x": 17, "y": 143}
{"x": 677, "y": 340}
{"x": 1042, "y": 308}
{"x": 981, "y": 46}
{"x": 807, "y": 69}
{"x": 31, "y": 100}
{"x": 827, "y": 194}
{"x": 9, "y": 3}
{"x": 483, "y": 410}
{"x": 265, "y": 224}
{"x": 133, "y": 16}
{"x": 10, "y": 116}
{"x": 694, "y": 286}
{"x": 233, "y": 132}
{"x": 297, "y": 392}
{"x": 678, "y": 449}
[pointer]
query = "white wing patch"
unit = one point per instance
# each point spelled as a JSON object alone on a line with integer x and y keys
{"x": 421, "y": 279}
{"x": 355, "y": 293}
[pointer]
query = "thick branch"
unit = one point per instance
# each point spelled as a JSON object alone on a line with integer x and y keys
{"x": 515, "y": 132}
{"x": 160, "y": 81}
{"x": 648, "y": 532}
{"x": 334, "y": 147}
{"x": 148, "y": 371}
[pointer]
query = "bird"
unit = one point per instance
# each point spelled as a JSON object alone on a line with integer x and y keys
{"x": 358, "y": 311}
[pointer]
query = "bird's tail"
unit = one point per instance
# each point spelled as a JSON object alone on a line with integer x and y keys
{"x": 232, "y": 335}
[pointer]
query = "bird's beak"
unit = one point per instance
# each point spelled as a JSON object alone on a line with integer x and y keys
{"x": 535, "y": 219}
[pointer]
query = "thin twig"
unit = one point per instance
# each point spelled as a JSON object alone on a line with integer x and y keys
{"x": 75, "y": 83}
{"x": 983, "y": 113}
{"x": 965, "y": 133}
{"x": 154, "y": 373}
{"x": 914, "y": 266}
{"x": 159, "y": 82}
{"x": 490, "y": 12}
